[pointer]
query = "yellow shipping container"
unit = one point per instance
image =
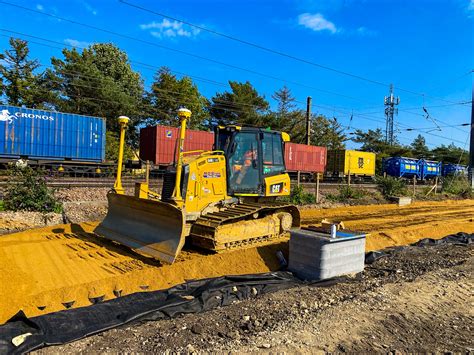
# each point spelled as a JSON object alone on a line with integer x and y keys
{"x": 343, "y": 162}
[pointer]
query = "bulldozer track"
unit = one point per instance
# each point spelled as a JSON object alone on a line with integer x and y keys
{"x": 204, "y": 231}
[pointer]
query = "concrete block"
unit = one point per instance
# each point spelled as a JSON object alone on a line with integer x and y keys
{"x": 316, "y": 256}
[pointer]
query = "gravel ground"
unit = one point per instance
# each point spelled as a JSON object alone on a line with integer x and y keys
{"x": 417, "y": 300}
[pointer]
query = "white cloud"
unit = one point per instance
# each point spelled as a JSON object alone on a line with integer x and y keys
{"x": 39, "y": 7}
{"x": 76, "y": 43}
{"x": 364, "y": 31}
{"x": 89, "y": 8}
{"x": 170, "y": 29}
{"x": 316, "y": 22}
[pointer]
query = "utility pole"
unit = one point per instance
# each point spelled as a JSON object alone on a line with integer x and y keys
{"x": 471, "y": 146}
{"x": 390, "y": 110}
{"x": 308, "y": 120}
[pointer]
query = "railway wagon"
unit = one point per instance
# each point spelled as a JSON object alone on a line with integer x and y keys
{"x": 159, "y": 144}
{"x": 344, "y": 162}
{"x": 50, "y": 138}
{"x": 453, "y": 169}
{"x": 402, "y": 167}
{"x": 305, "y": 160}
{"x": 430, "y": 169}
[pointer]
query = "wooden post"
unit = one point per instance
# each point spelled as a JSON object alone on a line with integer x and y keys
{"x": 435, "y": 185}
{"x": 298, "y": 178}
{"x": 308, "y": 120}
{"x": 317, "y": 187}
{"x": 414, "y": 185}
{"x": 147, "y": 172}
{"x": 349, "y": 178}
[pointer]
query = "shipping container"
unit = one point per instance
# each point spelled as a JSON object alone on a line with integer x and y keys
{"x": 159, "y": 144}
{"x": 402, "y": 167}
{"x": 49, "y": 135}
{"x": 343, "y": 162}
{"x": 430, "y": 169}
{"x": 305, "y": 158}
{"x": 454, "y": 169}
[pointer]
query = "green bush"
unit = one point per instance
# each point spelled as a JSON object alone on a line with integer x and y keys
{"x": 390, "y": 186}
{"x": 299, "y": 197}
{"x": 457, "y": 185}
{"x": 27, "y": 191}
{"x": 345, "y": 193}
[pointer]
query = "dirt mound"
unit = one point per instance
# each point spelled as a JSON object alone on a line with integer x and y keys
{"x": 390, "y": 225}
{"x": 52, "y": 268}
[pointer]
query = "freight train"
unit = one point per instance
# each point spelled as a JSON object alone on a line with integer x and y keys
{"x": 59, "y": 141}
{"x": 75, "y": 144}
{"x": 420, "y": 169}
{"x": 158, "y": 145}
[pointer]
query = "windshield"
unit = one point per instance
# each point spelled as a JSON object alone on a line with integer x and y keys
{"x": 243, "y": 163}
{"x": 272, "y": 148}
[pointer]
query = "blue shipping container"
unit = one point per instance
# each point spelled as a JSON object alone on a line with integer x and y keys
{"x": 454, "y": 169}
{"x": 401, "y": 167}
{"x": 430, "y": 169}
{"x": 49, "y": 135}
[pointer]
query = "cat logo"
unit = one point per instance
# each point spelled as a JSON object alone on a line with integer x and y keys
{"x": 276, "y": 189}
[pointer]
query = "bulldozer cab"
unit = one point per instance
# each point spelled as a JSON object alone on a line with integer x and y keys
{"x": 253, "y": 155}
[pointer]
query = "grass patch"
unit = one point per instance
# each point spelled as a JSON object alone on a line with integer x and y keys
{"x": 299, "y": 197}
{"x": 391, "y": 186}
{"x": 347, "y": 193}
{"x": 457, "y": 185}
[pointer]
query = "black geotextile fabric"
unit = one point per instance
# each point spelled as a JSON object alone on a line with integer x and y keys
{"x": 190, "y": 297}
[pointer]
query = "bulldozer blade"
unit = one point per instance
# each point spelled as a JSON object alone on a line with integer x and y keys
{"x": 152, "y": 228}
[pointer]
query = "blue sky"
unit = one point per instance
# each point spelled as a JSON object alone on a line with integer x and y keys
{"x": 422, "y": 47}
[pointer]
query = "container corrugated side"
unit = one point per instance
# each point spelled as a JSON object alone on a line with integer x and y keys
{"x": 335, "y": 162}
{"x": 48, "y": 135}
{"x": 341, "y": 162}
{"x": 159, "y": 144}
{"x": 305, "y": 158}
{"x": 359, "y": 163}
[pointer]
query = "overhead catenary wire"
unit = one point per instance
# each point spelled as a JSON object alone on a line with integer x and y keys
{"x": 365, "y": 116}
{"x": 277, "y": 52}
{"x": 140, "y": 63}
{"x": 255, "y": 72}
{"x": 153, "y": 43}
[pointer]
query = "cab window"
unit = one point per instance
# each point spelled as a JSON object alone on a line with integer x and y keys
{"x": 272, "y": 148}
{"x": 243, "y": 163}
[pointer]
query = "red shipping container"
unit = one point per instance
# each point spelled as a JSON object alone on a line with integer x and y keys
{"x": 305, "y": 158}
{"x": 159, "y": 144}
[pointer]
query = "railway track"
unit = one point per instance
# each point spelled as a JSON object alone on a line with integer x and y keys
{"x": 109, "y": 182}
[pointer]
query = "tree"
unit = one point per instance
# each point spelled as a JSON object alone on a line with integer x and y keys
{"x": 288, "y": 118}
{"x": 242, "y": 105}
{"x": 168, "y": 94}
{"x": 19, "y": 83}
{"x": 372, "y": 140}
{"x": 327, "y": 132}
{"x": 450, "y": 154}
{"x": 419, "y": 147}
{"x": 99, "y": 81}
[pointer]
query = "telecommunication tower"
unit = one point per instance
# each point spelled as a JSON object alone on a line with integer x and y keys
{"x": 390, "y": 110}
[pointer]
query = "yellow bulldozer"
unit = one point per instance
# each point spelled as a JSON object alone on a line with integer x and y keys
{"x": 217, "y": 200}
